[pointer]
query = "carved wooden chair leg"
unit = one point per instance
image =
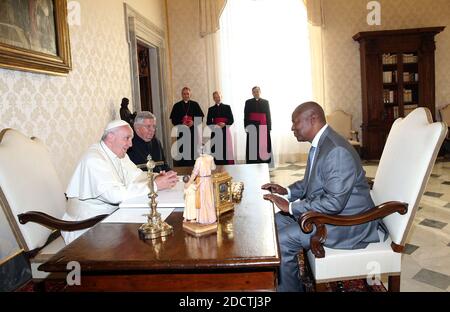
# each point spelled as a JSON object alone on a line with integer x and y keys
{"x": 305, "y": 272}
{"x": 394, "y": 283}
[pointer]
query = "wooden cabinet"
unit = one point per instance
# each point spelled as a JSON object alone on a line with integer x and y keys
{"x": 397, "y": 75}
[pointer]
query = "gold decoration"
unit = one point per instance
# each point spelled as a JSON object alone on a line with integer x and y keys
{"x": 237, "y": 188}
{"x": 41, "y": 55}
{"x": 155, "y": 227}
{"x": 223, "y": 199}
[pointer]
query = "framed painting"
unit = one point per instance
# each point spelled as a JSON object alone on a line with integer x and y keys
{"x": 34, "y": 36}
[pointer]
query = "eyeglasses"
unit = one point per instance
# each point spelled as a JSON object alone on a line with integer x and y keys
{"x": 148, "y": 127}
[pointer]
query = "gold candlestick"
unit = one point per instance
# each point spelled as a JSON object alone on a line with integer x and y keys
{"x": 154, "y": 227}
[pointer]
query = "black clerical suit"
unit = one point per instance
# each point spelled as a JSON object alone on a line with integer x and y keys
{"x": 216, "y": 114}
{"x": 140, "y": 150}
{"x": 257, "y": 113}
{"x": 180, "y": 112}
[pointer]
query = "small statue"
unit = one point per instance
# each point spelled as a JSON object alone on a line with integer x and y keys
{"x": 125, "y": 113}
{"x": 190, "y": 207}
{"x": 201, "y": 182}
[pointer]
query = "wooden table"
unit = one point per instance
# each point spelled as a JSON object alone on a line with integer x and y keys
{"x": 242, "y": 255}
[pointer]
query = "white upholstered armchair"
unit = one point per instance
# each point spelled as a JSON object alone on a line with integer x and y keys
{"x": 403, "y": 172}
{"x": 445, "y": 117}
{"x": 341, "y": 122}
{"x": 32, "y": 198}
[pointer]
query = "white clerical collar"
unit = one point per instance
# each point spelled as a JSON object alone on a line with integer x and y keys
{"x": 218, "y": 104}
{"x": 108, "y": 152}
{"x": 185, "y": 101}
{"x": 316, "y": 139}
{"x": 115, "y": 161}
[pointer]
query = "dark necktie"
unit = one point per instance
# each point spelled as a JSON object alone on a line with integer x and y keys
{"x": 312, "y": 152}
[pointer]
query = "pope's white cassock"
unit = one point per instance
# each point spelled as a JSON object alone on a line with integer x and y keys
{"x": 100, "y": 183}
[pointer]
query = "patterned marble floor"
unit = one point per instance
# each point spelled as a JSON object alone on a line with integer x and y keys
{"x": 426, "y": 259}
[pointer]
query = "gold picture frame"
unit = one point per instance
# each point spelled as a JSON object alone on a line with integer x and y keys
{"x": 34, "y": 36}
{"x": 223, "y": 198}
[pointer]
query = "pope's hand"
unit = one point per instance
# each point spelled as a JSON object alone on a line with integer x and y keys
{"x": 166, "y": 180}
{"x": 281, "y": 203}
{"x": 275, "y": 188}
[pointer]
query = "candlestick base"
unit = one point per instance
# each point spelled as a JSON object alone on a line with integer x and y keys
{"x": 154, "y": 228}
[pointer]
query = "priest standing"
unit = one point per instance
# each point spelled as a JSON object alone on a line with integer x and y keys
{"x": 220, "y": 116}
{"x": 257, "y": 123}
{"x": 187, "y": 113}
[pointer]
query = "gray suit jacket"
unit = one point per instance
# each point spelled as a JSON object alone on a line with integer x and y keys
{"x": 337, "y": 186}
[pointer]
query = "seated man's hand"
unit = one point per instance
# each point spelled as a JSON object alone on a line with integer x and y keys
{"x": 170, "y": 173}
{"x": 275, "y": 188}
{"x": 280, "y": 202}
{"x": 166, "y": 180}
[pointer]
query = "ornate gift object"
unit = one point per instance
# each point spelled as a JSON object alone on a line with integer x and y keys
{"x": 155, "y": 227}
{"x": 226, "y": 192}
{"x": 236, "y": 191}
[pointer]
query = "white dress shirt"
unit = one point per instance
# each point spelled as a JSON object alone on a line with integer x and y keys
{"x": 314, "y": 144}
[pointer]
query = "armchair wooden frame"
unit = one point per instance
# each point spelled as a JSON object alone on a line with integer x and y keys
{"x": 44, "y": 220}
{"x": 445, "y": 116}
{"x": 404, "y": 169}
{"x": 311, "y": 219}
{"x": 54, "y": 223}
{"x": 13, "y": 186}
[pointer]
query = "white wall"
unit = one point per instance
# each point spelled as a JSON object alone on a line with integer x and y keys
{"x": 153, "y": 10}
{"x": 188, "y": 52}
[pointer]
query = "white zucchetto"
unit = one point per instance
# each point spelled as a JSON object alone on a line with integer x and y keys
{"x": 115, "y": 124}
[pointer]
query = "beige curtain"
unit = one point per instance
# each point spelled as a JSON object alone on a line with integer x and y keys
{"x": 316, "y": 24}
{"x": 210, "y": 11}
{"x": 317, "y": 66}
{"x": 314, "y": 11}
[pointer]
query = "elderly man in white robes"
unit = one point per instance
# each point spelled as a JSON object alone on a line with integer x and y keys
{"x": 106, "y": 176}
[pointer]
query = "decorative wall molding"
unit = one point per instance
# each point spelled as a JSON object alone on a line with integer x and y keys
{"x": 140, "y": 28}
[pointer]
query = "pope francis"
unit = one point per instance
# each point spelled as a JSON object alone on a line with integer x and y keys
{"x": 106, "y": 176}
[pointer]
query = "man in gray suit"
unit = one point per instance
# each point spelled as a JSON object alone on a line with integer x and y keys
{"x": 334, "y": 183}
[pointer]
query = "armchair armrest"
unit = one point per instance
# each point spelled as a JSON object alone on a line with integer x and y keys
{"x": 53, "y": 223}
{"x": 319, "y": 220}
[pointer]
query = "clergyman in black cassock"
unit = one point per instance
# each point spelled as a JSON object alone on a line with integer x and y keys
{"x": 220, "y": 115}
{"x": 140, "y": 150}
{"x": 145, "y": 143}
{"x": 184, "y": 113}
{"x": 258, "y": 123}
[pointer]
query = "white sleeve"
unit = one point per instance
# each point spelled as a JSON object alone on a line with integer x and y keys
{"x": 99, "y": 181}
